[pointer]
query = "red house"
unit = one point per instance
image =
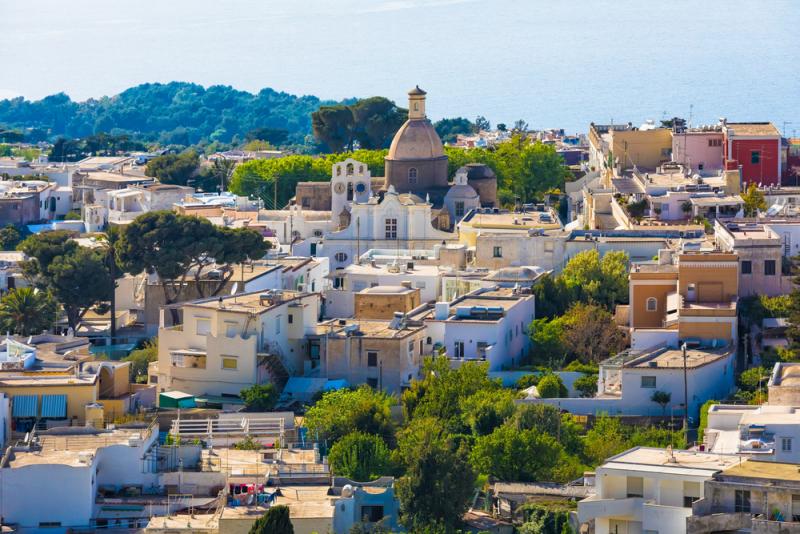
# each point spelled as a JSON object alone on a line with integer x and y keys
{"x": 756, "y": 147}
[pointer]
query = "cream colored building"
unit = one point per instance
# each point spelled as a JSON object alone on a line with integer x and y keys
{"x": 225, "y": 345}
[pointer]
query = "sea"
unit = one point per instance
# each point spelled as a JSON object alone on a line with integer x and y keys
{"x": 553, "y": 64}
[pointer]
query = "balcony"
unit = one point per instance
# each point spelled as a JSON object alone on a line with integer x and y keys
{"x": 593, "y": 507}
{"x": 706, "y": 524}
{"x": 765, "y": 526}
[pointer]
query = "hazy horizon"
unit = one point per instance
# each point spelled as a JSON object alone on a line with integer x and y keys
{"x": 552, "y": 64}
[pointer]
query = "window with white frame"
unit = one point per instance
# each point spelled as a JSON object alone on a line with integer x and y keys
{"x": 391, "y": 228}
{"x": 203, "y": 327}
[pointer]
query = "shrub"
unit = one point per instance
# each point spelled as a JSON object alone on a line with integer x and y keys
{"x": 361, "y": 457}
{"x": 587, "y": 385}
{"x": 550, "y": 387}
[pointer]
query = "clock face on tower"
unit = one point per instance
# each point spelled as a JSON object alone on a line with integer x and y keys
{"x": 338, "y": 188}
{"x": 360, "y": 187}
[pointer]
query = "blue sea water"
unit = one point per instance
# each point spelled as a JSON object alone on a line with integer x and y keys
{"x": 552, "y": 63}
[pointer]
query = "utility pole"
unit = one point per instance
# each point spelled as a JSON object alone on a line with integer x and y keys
{"x": 685, "y": 398}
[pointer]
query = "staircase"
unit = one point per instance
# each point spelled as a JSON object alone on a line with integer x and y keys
{"x": 278, "y": 374}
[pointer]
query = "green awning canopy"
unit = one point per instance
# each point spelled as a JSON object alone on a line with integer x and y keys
{"x": 54, "y": 406}
{"x": 25, "y": 406}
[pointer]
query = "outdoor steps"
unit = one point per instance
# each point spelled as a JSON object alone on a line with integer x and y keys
{"x": 277, "y": 371}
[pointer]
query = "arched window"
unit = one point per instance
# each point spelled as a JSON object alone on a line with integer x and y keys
{"x": 360, "y": 169}
{"x": 349, "y": 168}
{"x": 652, "y": 304}
{"x": 338, "y": 170}
{"x": 340, "y": 257}
{"x": 416, "y": 106}
{"x": 428, "y": 340}
{"x": 412, "y": 175}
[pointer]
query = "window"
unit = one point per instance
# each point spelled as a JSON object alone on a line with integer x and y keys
{"x": 715, "y": 142}
{"x": 411, "y": 347}
{"x": 747, "y": 267}
{"x": 786, "y": 444}
{"x": 372, "y": 359}
{"x": 412, "y": 175}
{"x": 458, "y": 349}
{"x": 497, "y": 252}
{"x": 203, "y": 327}
{"x": 306, "y": 202}
{"x": 459, "y": 208}
{"x": 742, "y": 501}
{"x": 648, "y": 381}
{"x": 391, "y": 228}
{"x": 652, "y": 304}
{"x": 278, "y": 325}
{"x": 755, "y": 157}
{"x": 229, "y": 363}
{"x": 290, "y": 318}
{"x": 350, "y": 168}
{"x": 635, "y": 487}
{"x": 687, "y": 501}
{"x": 231, "y": 329}
{"x": 317, "y": 233}
{"x": 338, "y": 282}
{"x": 429, "y": 340}
{"x": 769, "y": 267}
{"x": 419, "y": 285}
{"x": 371, "y": 514}
{"x": 340, "y": 257}
{"x": 700, "y": 167}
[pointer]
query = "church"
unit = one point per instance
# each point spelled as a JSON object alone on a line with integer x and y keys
{"x": 414, "y": 206}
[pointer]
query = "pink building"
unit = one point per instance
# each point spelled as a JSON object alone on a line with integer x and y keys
{"x": 699, "y": 149}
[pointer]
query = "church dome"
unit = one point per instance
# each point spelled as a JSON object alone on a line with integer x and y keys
{"x": 416, "y": 140}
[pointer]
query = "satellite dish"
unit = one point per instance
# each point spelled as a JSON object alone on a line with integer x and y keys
{"x": 235, "y": 288}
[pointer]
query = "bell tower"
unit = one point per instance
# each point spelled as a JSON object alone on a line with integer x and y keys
{"x": 416, "y": 104}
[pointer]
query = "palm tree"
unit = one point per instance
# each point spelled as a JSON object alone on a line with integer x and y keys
{"x": 27, "y": 311}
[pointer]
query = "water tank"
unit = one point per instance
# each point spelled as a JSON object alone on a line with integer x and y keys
{"x": 441, "y": 311}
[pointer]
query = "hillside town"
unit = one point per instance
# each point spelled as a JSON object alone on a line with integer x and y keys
{"x": 516, "y": 330}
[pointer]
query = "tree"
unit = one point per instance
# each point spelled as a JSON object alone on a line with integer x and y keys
{"x": 172, "y": 246}
{"x": 141, "y": 358}
{"x": 9, "y": 237}
{"x": 174, "y": 168}
{"x": 586, "y": 385}
{"x": 259, "y": 397}
{"x": 754, "y": 200}
{"x": 360, "y": 457}
{"x": 79, "y": 281}
{"x": 602, "y": 282}
{"x": 590, "y": 333}
{"x": 335, "y": 127}
{"x": 520, "y": 126}
{"x": 376, "y": 120}
{"x": 501, "y": 126}
{"x": 553, "y": 296}
{"x": 442, "y": 391}
{"x": 662, "y": 398}
{"x": 485, "y": 410}
{"x": 26, "y": 311}
{"x": 482, "y": 124}
{"x": 344, "y": 411}
{"x": 275, "y": 521}
{"x": 219, "y": 175}
{"x": 438, "y": 481}
{"x": 509, "y": 454}
{"x": 449, "y": 129}
{"x": 550, "y": 387}
{"x": 604, "y": 440}
{"x": 273, "y": 136}
{"x": 256, "y": 145}
{"x": 548, "y": 341}
{"x": 274, "y": 180}
{"x": 77, "y": 277}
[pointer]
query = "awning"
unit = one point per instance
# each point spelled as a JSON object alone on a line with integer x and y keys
{"x": 25, "y": 406}
{"x": 54, "y": 406}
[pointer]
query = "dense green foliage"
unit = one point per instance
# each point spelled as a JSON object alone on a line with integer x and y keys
{"x": 585, "y": 333}
{"x": 586, "y": 385}
{"x": 342, "y": 412}
{"x": 370, "y": 122}
{"x": 360, "y": 457}
{"x": 10, "y": 237}
{"x": 77, "y": 277}
{"x": 141, "y": 358}
{"x": 547, "y": 517}
{"x": 26, "y": 311}
{"x": 274, "y": 180}
{"x": 259, "y": 397}
{"x": 550, "y": 387}
{"x": 174, "y": 113}
{"x": 172, "y": 246}
{"x": 174, "y": 168}
{"x": 701, "y": 428}
{"x": 275, "y": 521}
{"x": 449, "y": 129}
